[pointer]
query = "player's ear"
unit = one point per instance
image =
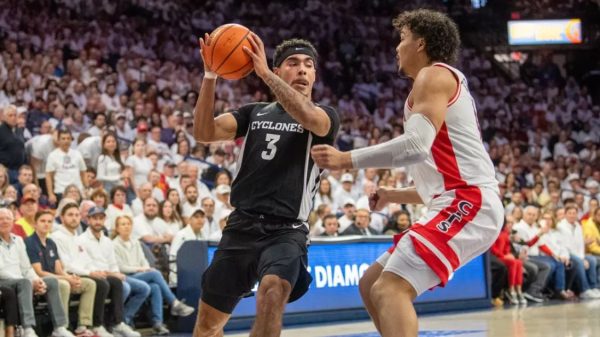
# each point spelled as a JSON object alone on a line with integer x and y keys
{"x": 420, "y": 44}
{"x": 276, "y": 71}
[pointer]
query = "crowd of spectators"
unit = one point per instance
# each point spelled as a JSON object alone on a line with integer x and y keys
{"x": 96, "y": 144}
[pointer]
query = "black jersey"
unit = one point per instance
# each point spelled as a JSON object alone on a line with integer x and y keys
{"x": 276, "y": 175}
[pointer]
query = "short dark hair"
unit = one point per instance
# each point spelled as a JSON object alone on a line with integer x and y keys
{"x": 64, "y": 131}
{"x": 114, "y": 190}
{"x": 43, "y": 212}
{"x": 441, "y": 35}
{"x": 68, "y": 206}
{"x": 292, "y": 43}
{"x": 329, "y": 216}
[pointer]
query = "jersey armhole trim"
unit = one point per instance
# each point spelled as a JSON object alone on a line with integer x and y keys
{"x": 457, "y": 91}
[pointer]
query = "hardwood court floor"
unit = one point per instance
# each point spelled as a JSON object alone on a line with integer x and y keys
{"x": 581, "y": 319}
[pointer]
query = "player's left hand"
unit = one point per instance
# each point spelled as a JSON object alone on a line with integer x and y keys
{"x": 258, "y": 55}
{"x": 327, "y": 157}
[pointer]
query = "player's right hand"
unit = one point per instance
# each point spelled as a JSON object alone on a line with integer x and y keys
{"x": 205, "y": 47}
{"x": 378, "y": 200}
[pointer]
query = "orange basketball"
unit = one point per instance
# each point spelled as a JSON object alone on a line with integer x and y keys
{"x": 225, "y": 55}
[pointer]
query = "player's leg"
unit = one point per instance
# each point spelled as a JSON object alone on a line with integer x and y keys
{"x": 366, "y": 283}
{"x": 272, "y": 295}
{"x": 283, "y": 278}
{"x": 210, "y": 321}
{"x": 231, "y": 275}
{"x": 393, "y": 297}
{"x": 405, "y": 276}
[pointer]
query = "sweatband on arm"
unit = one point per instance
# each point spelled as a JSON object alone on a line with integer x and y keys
{"x": 410, "y": 148}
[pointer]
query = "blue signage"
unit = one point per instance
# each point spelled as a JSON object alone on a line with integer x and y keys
{"x": 337, "y": 267}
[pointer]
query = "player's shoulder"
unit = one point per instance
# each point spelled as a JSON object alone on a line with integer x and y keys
{"x": 435, "y": 77}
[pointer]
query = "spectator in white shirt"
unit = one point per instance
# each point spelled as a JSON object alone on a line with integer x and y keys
{"x": 109, "y": 165}
{"x": 118, "y": 196}
{"x": 191, "y": 202}
{"x": 211, "y": 229}
{"x": 222, "y": 203}
{"x": 154, "y": 179}
{"x": 110, "y": 98}
{"x": 324, "y": 195}
{"x": 131, "y": 260}
{"x": 16, "y": 272}
{"x": 193, "y": 231}
{"x": 41, "y": 146}
{"x": 175, "y": 199}
{"x": 345, "y": 192}
{"x": 123, "y": 129}
{"x": 65, "y": 166}
{"x": 90, "y": 148}
{"x": 349, "y": 212}
{"x": 140, "y": 164}
{"x": 102, "y": 253}
{"x": 171, "y": 217}
{"x": 148, "y": 227}
{"x": 99, "y": 124}
{"x": 155, "y": 144}
{"x": 585, "y": 266}
{"x": 144, "y": 192}
{"x": 77, "y": 261}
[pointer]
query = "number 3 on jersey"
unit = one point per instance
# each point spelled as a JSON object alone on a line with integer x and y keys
{"x": 272, "y": 149}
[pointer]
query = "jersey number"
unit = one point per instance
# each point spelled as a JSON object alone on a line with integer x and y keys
{"x": 272, "y": 139}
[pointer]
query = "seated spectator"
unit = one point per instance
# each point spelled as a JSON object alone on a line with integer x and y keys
{"x": 503, "y": 251}
{"x": 191, "y": 202}
{"x": 131, "y": 261}
{"x": 193, "y": 231}
{"x": 73, "y": 192}
{"x": 28, "y": 208}
{"x": 148, "y": 227}
{"x": 361, "y": 224}
{"x": 77, "y": 261}
{"x": 170, "y": 216}
{"x": 330, "y": 225}
{"x": 212, "y": 227}
{"x": 100, "y": 198}
{"x": 584, "y": 265}
{"x": 118, "y": 206}
{"x": 16, "y": 272}
{"x": 529, "y": 233}
{"x": 349, "y": 212}
{"x": 222, "y": 202}
{"x": 143, "y": 192}
{"x": 24, "y": 178}
{"x": 321, "y": 212}
{"x": 345, "y": 192}
{"x": 557, "y": 256}
{"x": 43, "y": 254}
{"x": 9, "y": 306}
{"x": 101, "y": 250}
{"x": 155, "y": 179}
{"x": 399, "y": 223}
{"x": 591, "y": 233}
{"x": 324, "y": 195}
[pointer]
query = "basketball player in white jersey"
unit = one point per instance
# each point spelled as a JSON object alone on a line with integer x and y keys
{"x": 453, "y": 175}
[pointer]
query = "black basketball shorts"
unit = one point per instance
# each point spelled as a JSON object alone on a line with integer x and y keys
{"x": 251, "y": 248}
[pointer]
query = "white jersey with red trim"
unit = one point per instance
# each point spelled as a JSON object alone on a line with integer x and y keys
{"x": 458, "y": 158}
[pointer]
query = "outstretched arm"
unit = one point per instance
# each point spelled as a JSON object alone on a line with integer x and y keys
{"x": 433, "y": 88}
{"x": 384, "y": 195}
{"x": 207, "y": 128}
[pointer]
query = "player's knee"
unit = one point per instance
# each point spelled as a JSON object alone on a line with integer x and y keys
{"x": 274, "y": 290}
{"x": 364, "y": 287}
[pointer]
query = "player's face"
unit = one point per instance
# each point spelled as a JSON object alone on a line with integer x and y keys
{"x": 298, "y": 70}
{"x": 406, "y": 51}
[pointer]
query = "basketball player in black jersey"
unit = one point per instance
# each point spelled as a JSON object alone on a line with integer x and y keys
{"x": 266, "y": 236}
